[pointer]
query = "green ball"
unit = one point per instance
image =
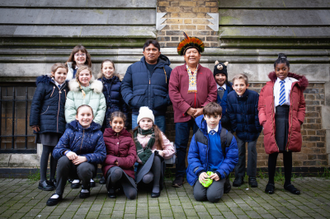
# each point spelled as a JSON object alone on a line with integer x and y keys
{"x": 208, "y": 182}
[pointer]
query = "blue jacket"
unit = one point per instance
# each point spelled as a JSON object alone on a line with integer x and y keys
{"x": 47, "y": 108}
{"x": 86, "y": 142}
{"x": 243, "y": 115}
{"x": 140, "y": 88}
{"x": 198, "y": 154}
{"x": 223, "y": 102}
{"x": 114, "y": 100}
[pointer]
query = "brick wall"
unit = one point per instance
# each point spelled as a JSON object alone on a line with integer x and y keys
{"x": 189, "y": 16}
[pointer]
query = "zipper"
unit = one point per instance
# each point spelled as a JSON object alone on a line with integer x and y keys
{"x": 273, "y": 116}
{"x": 58, "y": 107}
{"x": 52, "y": 91}
{"x": 290, "y": 128}
{"x": 82, "y": 139}
{"x": 195, "y": 101}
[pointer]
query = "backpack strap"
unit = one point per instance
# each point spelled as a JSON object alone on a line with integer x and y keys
{"x": 226, "y": 138}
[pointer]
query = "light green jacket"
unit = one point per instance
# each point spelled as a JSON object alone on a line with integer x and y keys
{"x": 94, "y": 98}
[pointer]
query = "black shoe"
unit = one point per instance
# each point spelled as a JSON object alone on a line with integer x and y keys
{"x": 178, "y": 182}
{"x": 53, "y": 201}
{"x": 102, "y": 180}
{"x": 75, "y": 185}
{"x": 270, "y": 188}
{"x": 253, "y": 181}
{"x": 52, "y": 182}
{"x": 227, "y": 186}
{"x": 43, "y": 185}
{"x": 112, "y": 193}
{"x": 84, "y": 194}
{"x": 155, "y": 194}
{"x": 92, "y": 183}
{"x": 292, "y": 189}
{"x": 238, "y": 182}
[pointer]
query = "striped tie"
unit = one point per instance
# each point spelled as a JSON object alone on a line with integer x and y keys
{"x": 282, "y": 93}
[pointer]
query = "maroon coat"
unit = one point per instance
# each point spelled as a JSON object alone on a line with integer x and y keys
{"x": 296, "y": 114}
{"x": 182, "y": 100}
{"x": 121, "y": 148}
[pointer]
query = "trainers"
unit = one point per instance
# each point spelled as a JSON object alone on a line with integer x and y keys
{"x": 238, "y": 182}
{"x": 178, "y": 182}
{"x": 253, "y": 181}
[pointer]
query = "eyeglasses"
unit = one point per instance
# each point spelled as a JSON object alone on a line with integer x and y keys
{"x": 80, "y": 54}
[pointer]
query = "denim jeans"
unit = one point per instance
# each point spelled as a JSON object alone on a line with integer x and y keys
{"x": 252, "y": 159}
{"x": 159, "y": 121}
{"x": 182, "y": 130}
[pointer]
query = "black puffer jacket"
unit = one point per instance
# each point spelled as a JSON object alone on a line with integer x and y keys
{"x": 47, "y": 108}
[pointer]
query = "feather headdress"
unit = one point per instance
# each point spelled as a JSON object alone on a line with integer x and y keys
{"x": 190, "y": 42}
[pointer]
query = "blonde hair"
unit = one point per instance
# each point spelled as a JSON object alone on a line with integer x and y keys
{"x": 57, "y": 66}
{"x": 80, "y": 69}
{"x": 241, "y": 76}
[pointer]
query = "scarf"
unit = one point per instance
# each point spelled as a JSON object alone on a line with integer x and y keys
{"x": 192, "y": 80}
{"x": 145, "y": 153}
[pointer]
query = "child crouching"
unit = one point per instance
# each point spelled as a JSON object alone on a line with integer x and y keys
{"x": 208, "y": 153}
{"x": 78, "y": 152}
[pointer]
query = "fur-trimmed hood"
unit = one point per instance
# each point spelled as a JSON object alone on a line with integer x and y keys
{"x": 95, "y": 85}
{"x": 302, "y": 80}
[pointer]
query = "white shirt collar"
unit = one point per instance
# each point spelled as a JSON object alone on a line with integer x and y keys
{"x": 215, "y": 129}
{"x": 224, "y": 86}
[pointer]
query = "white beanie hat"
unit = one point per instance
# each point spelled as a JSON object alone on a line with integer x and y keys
{"x": 145, "y": 112}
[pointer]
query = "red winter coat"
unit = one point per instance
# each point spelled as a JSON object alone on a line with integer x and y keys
{"x": 121, "y": 148}
{"x": 182, "y": 100}
{"x": 296, "y": 114}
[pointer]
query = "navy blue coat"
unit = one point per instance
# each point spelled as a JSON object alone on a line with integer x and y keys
{"x": 198, "y": 154}
{"x": 243, "y": 115}
{"x": 114, "y": 100}
{"x": 223, "y": 102}
{"x": 86, "y": 142}
{"x": 47, "y": 108}
{"x": 141, "y": 88}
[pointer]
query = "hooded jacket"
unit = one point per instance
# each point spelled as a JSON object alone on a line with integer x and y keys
{"x": 120, "y": 148}
{"x": 296, "y": 114}
{"x": 114, "y": 100}
{"x": 141, "y": 88}
{"x": 198, "y": 154}
{"x": 94, "y": 98}
{"x": 47, "y": 108}
{"x": 182, "y": 100}
{"x": 243, "y": 115}
{"x": 86, "y": 142}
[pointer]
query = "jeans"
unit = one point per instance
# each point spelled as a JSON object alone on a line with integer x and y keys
{"x": 182, "y": 131}
{"x": 252, "y": 159}
{"x": 159, "y": 121}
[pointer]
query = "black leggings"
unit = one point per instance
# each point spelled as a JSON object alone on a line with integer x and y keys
{"x": 287, "y": 161}
{"x": 44, "y": 163}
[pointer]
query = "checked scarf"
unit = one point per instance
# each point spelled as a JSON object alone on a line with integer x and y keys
{"x": 145, "y": 153}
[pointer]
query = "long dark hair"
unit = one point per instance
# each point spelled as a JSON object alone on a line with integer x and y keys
{"x": 76, "y": 49}
{"x": 158, "y": 138}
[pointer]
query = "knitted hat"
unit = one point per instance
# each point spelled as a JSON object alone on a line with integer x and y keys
{"x": 145, "y": 112}
{"x": 190, "y": 42}
{"x": 220, "y": 68}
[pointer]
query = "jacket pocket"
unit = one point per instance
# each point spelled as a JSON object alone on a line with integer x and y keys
{"x": 138, "y": 99}
{"x": 160, "y": 99}
{"x": 45, "y": 110}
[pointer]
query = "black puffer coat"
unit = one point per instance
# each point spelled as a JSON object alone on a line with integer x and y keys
{"x": 47, "y": 108}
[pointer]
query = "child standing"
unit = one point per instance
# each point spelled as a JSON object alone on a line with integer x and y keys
{"x": 78, "y": 152}
{"x": 281, "y": 113}
{"x": 214, "y": 149}
{"x": 84, "y": 90}
{"x": 121, "y": 156}
{"x": 78, "y": 57}
{"x": 47, "y": 118}
{"x": 111, "y": 90}
{"x": 242, "y": 111}
{"x": 152, "y": 148}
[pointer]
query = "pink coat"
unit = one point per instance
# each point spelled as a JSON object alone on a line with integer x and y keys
{"x": 182, "y": 100}
{"x": 168, "y": 148}
{"x": 296, "y": 114}
{"x": 120, "y": 148}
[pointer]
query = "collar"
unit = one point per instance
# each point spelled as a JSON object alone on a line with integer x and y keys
{"x": 215, "y": 129}
{"x": 56, "y": 83}
{"x": 287, "y": 79}
{"x": 224, "y": 86}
